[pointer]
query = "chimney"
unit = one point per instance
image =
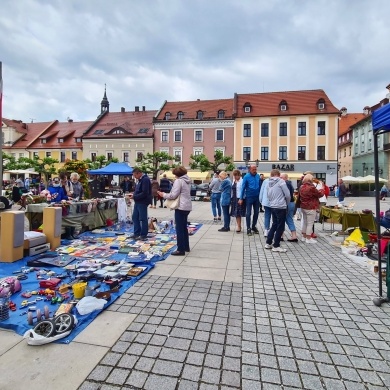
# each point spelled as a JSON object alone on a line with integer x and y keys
{"x": 366, "y": 110}
{"x": 343, "y": 111}
{"x": 143, "y": 108}
{"x": 122, "y": 109}
{"x": 136, "y": 108}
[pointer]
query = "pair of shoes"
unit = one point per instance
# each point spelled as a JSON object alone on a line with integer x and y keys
{"x": 134, "y": 236}
{"x": 255, "y": 230}
{"x": 187, "y": 250}
{"x": 215, "y": 219}
{"x": 219, "y": 218}
{"x": 292, "y": 240}
{"x": 249, "y": 232}
{"x": 311, "y": 241}
{"x": 313, "y": 235}
{"x": 266, "y": 232}
{"x": 303, "y": 239}
{"x": 178, "y": 253}
{"x": 261, "y": 211}
{"x": 224, "y": 229}
{"x": 268, "y": 246}
{"x": 279, "y": 249}
{"x": 143, "y": 238}
{"x": 238, "y": 231}
{"x": 165, "y": 207}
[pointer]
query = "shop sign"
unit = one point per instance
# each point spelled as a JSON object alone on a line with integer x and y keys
{"x": 284, "y": 167}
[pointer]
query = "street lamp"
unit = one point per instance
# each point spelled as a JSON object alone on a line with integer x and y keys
{"x": 364, "y": 168}
{"x": 246, "y": 160}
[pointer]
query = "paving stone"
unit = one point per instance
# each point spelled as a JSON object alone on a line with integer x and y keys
{"x": 118, "y": 376}
{"x": 311, "y": 382}
{"x": 111, "y": 359}
{"x": 187, "y": 385}
{"x": 167, "y": 368}
{"x": 128, "y": 361}
{"x": 192, "y": 373}
{"x": 231, "y": 378}
{"x": 291, "y": 379}
{"x": 160, "y": 382}
{"x": 270, "y": 375}
{"x": 100, "y": 373}
{"x": 195, "y": 358}
{"x": 172, "y": 354}
{"x": 250, "y": 372}
{"x": 144, "y": 364}
{"x": 211, "y": 375}
{"x": 151, "y": 351}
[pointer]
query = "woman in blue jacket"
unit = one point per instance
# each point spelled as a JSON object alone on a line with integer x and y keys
{"x": 226, "y": 195}
{"x": 56, "y": 191}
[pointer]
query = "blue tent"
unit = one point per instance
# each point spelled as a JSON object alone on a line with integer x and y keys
{"x": 380, "y": 124}
{"x": 113, "y": 169}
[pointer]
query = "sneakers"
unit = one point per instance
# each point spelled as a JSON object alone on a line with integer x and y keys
{"x": 303, "y": 239}
{"x": 249, "y": 232}
{"x": 266, "y": 232}
{"x": 255, "y": 230}
{"x": 268, "y": 246}
{"x": 279, "y": 249}
{"x": 224, "y": 229}
{"x": 311, "y": 241}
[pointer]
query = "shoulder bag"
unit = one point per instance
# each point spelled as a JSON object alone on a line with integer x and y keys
{"x": 173, "y": 204}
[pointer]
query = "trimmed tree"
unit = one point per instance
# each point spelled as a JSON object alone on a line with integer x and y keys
{"x": 202, "y": 162}
{"x": 153, "y": 163}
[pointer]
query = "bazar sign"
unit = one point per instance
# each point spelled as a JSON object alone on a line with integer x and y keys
{"x": 283, "y": 167}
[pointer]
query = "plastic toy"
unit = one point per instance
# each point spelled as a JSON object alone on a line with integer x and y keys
{"x": 38, "y": 315}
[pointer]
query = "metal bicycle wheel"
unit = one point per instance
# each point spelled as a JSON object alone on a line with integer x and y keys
{"x": 45, "y": 328}
{"x": 63, "y": 323}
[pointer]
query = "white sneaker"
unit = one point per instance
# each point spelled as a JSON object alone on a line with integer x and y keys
{"x": 266, "y": 232}
{"x": 311, "y": 241}
{"x": 279, "y": 249}
{"x": 268, "y": 246}
{"x": 303, "y": 239}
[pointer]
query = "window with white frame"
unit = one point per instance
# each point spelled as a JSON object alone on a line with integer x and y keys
{"x": 60, "y": 140}
{"x": 222, "y": 150}
{"x": 178, "y": 136}
{"x": 109, "y": 156}
{"x": 247, "y": 130}
{"x": 282, "y": 152}
{"x": 62, "y": 157}
{"x": 35, "y": 154}
{"x": 164, "y": 136}
{"x": 283, "y": 129}
{"x": 265, "y": 129}
{"x": 246, "y": 153}
{"x": 177, "y": 153}
{"x": 264, "y": 153}
{"x": 93, "y": 156}
{"x": 48, "y": 154}
{"x": 74, "y": 155}
{"x": 126, "y": 156}
{"x": 220, "y": 135}
{"x": 198, "y": 135}
{"x": 321, "y": 128}
{"x": 165, "y": 150}
{"x": 180, "y": 115}
{"x": 197, "y": 151}
{"x": 301, "y": 128}
{"x": 221, "y": 114}
{"x": 167, "y": 116}
{"x": 199, "y": 115}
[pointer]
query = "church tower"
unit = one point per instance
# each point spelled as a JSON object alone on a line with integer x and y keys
{"x": 104, "y": 105}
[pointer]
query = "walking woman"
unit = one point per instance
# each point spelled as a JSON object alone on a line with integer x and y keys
{"x": 237, "y": 210}
{"x": 181, "y": 187}
{"x": 309, "y": 198}
{"x": 226, "y": 194}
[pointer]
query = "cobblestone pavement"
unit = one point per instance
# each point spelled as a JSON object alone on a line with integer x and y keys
{"x": 300, "y": 320}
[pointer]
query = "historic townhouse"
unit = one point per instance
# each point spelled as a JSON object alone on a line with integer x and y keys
{"x": 294, "y": 131}
{"x": 345, "y": 141}
{"x": 126, "y": 135}
{"x": 195, "y": 127}
{"x": 363, "y": 144}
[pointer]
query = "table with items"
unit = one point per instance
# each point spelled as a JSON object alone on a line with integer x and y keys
{"x": 55, "y": 295}
{"x": 348, "y": 219}
{"x": 86, "y": 215}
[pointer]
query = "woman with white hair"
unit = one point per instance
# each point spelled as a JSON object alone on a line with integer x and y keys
{"x": 76, "y": 190}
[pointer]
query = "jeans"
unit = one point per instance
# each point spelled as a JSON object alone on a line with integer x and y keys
{"x": 226, "y": 216}
{"x": 267, "y": 217}
{"x": 183, "y": 242}
{"x": 255, "y": 203}
{"x": 140, "y": 219}
{"x": 290, "y": 217}
{"x": 277, "y": 228}
{"x": 216, "y": 203}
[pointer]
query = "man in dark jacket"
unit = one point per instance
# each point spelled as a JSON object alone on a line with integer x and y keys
{"x": 142, "y": 197}
{"x": 127, "y": 185}
{"x": 165, "y": 186}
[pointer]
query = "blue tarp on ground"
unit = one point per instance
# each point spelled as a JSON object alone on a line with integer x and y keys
{"x": 113, "y": 169}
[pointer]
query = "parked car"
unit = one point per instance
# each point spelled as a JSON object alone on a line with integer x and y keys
{"x": 203, "y": 186}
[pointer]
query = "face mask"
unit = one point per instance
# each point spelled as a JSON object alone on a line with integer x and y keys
{"x": 56, "y": 184}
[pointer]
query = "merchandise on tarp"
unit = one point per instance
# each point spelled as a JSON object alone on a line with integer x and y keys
{"x": 380, "y": 125}
{"x": 356, "y": 237}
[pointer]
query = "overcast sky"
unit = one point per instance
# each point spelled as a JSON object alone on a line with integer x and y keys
{"x": 57, "y": 55}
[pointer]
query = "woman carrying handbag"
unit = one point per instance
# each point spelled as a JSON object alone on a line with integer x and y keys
{"x": 181, "y": 189}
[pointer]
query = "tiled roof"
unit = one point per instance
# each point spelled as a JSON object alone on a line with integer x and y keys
{"x": 348, "y": 120}
{"x": 130, "y": 121}
{"x": 33, "y": 131}
{"x": 18, "y": 125}
{"x": 209, "y": 108}
{"x": 66, "y": 130}
{"x": 298, "y": 103}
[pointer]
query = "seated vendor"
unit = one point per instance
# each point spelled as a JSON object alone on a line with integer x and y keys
{"x": 56, "y": 191}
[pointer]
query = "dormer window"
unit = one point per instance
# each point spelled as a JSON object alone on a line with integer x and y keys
{"x": 221, "y": 114}
{"x": 60, "y": 140}
{"x": 167, "y": 116}
{"x": 321, "y": 104}
{"x": 180, "y": 115}
{"x": 199, "y": 114}
{"x": 247, "y": 107}
{"x": 78, "y": 139}
{"x": 283, "y": 105}
{"x": 43, "y": 140}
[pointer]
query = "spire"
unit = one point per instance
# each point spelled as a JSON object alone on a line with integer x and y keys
{"x": 105, "y": 105}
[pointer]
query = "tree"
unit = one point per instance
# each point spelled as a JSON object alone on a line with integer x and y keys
{"x": 9, "y": 162}
{"x": 44, "y": 166}
{"x": 202, "y": 162}
{"x": 153, "y": 163}
{"x": 100, "y": 162}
